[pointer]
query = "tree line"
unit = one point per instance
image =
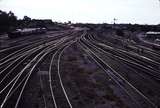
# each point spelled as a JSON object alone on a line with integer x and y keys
{"x": 7, "y": 21}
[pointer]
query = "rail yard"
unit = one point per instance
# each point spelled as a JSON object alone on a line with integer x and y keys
{"x": 78, "y": 68}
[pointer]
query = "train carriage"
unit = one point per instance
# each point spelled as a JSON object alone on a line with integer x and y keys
{"x": 25, "y": 32}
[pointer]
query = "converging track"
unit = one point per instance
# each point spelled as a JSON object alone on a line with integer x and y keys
{"x": 62, "y": 69}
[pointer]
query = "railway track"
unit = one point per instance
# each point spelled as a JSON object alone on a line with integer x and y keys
{"x": 34, "y": 38}
{"x": 92, "y": 51}
{"x": 138, "y": 61}
{"x": 38, "y": 61}
{"x": 7, "y": 51}
{"x": 134, "y": 48}
{"x": 18, "y": 68}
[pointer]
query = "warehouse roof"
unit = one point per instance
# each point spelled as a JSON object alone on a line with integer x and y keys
{"x": 153, "y": 33}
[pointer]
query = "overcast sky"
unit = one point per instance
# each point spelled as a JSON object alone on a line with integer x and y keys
{"x": 91, "y": 11}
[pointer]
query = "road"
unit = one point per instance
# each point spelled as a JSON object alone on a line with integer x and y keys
{"x": 77, "y": 69}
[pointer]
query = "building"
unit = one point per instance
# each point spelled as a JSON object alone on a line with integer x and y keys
{"x": 153, "y": 35}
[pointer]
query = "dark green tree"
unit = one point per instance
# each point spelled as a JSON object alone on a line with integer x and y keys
{"x": 7, "y": 21}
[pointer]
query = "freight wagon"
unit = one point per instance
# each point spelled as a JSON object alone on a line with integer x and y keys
{"x": 25, "y": 32}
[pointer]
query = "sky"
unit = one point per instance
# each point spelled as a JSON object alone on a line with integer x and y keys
{"x": 87, "y": 11}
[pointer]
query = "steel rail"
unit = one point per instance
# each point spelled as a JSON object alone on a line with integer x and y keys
{"x": 119, "y": 76}
{"x": 129, "y": 61}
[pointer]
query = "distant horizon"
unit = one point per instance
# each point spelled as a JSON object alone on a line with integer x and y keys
{"x": 145, "y": 12}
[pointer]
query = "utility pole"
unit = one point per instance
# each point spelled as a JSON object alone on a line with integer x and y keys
{"x": 114, "y": 20}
